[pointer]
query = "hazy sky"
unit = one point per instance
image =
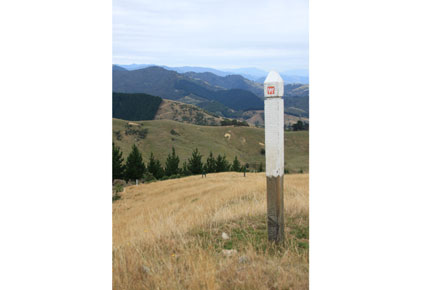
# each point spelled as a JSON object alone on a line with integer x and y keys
{"x": 220, "y": 34}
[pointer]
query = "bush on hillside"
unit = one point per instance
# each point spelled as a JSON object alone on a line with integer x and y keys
{"x": 141, "y": 133}
{"x": 117, "y": 188}
{"x": 227, "y": 122}
{"x": 299, "y": 126}
{"x": 118, "y": 135}
{"x": 174, "y": 132}
{"x": 117, "y": 182}
{"x": 148, "y": 177}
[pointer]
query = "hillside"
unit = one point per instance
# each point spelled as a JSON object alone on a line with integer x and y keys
{"x": 168, "y": 235}
{"x": 296, "y": 90}
{"x": 223, "y": 95}
{"x": 250, "y": 73}
{"x": 244, "y": 142}
{"x": 229, "y": 82}
{"x": 256, "y": 118}
{"x": 152, "y": 80}
{"x": 181, "y": 112}
{"x": 116, "y": 67}
{"x": 168, "y": 84}
{"x": 236, "y": 99}
{"x": 134, "y": 107}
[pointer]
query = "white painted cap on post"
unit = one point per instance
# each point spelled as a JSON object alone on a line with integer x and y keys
{"x": 273, "y": 85}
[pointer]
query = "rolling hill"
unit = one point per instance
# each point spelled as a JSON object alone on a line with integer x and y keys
{"x": 246, "y": 143}
{"x": 256, "y": 118}
{"x": 229, "y": 82}
{"x": 226, "y": 96}
{"x": 118, "y": 68}
{"x": 152, "y": 80}
{"x": 236, "y": 99}
{"x": 186, "y": 113}
{"x": 142, "y": 107}
{"x": 250, "y": 73}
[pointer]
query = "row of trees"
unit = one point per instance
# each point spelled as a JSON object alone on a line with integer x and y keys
{"x": 299, "y": 126}
{"x": 135, "y": 168}
{"x": 234, "y": 122}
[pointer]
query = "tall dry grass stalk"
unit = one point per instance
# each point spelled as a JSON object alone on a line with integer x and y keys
{"x": 167, "y": 235}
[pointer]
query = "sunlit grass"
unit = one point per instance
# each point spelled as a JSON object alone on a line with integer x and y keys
{"x": 167, "y": 235}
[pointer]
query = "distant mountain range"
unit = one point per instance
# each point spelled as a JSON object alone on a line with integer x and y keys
{"x": 254, "y": 74}
{"x": 227, "y": 96}
{"x": 169, "y": 84}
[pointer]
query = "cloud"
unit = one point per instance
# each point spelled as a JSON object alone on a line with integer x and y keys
{"x": 264, "y": 34}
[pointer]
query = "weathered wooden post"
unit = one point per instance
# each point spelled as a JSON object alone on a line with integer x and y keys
{"x": 274, "y": 140}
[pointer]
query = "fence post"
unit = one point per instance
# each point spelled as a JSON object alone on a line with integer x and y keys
{"x": 274, "y": 146}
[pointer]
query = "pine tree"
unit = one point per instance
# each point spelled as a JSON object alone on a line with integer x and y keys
{"x": 185, "y": 170}
{"x": 118, "y": 167}
{"x": 222, "y": 164}
{"x": 210, "y": 164}
{"x": 160, "y": 170}
{"x": 172, "y": 164}
{"x": 151, "y": 164}
{"x": 195, "y": 164}
{"x": 135, "y": 167}
{"x": 154, "y": 167}
{"x": 236, "y": 166}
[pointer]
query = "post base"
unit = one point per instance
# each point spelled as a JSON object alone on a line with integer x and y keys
{"x": 275, "y": 208}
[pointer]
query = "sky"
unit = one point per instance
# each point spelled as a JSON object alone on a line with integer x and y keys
{"x": 269, "y": 35}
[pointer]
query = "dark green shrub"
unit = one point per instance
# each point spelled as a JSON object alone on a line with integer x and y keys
{"x": 148, "y": 177}
{"x": 117, "y": 188}
{"x": 174, "y": 132}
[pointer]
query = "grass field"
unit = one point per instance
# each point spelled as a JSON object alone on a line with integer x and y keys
{"x": 244, "y": 142}
{"x": 168, "y": 234}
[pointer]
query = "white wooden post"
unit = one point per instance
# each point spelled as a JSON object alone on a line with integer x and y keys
{"x": 274, "y": 143}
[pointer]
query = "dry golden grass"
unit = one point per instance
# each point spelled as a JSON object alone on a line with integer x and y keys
{"x": 167, "y": 234}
